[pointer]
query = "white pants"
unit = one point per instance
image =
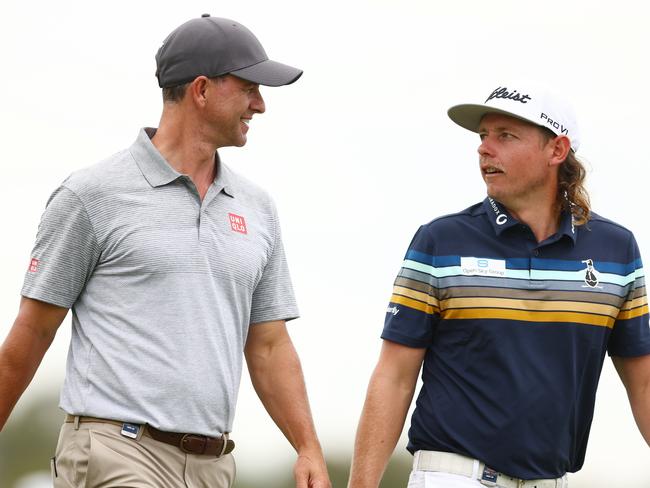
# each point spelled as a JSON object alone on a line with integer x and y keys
{"x": 429, "y": 479}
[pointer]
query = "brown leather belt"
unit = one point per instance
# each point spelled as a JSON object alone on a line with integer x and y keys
{"x": 188, "y": 443}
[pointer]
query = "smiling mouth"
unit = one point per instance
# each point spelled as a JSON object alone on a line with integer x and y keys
{"x": 491, "y": 170}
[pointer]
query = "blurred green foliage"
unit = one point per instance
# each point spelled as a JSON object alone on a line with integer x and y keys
{"x": 29, "y": 439}
{"x": 396, "y": 475}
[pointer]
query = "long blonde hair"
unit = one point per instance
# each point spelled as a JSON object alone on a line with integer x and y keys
{"x": 572, "y": 196}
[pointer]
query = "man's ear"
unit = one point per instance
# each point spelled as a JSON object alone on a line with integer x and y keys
{"x": 561, "y": 145}
{"x": 197, "y": 90}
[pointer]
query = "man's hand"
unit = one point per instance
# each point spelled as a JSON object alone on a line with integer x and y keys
{"x": 277, "y": 377}
{"x": 310, "y": 471}
{"x": 387, "y": 402}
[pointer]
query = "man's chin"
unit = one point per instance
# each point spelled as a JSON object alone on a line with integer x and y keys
{"x": 238, "y": 142}
{"x": 491, "y": 193}
{"x": 496, "y": 195}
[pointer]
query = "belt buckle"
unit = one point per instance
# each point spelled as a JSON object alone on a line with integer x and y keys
{"x": 489, "y": 477}
{"x": 130, "y": 430}
{"x": 189, "y": 438}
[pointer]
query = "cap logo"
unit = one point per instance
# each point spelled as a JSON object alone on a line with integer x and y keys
{"x": 502, "y": 92}
{"x": 553, "y": 123}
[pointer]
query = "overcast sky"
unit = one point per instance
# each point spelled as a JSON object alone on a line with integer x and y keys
{"x": 357, "y": 154}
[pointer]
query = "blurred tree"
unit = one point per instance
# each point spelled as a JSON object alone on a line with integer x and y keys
{"x": 398, "y": 470}
{"x": 28, "y": 441}
{"x": 396, "y": 475}
{"x": 29, "y": 438}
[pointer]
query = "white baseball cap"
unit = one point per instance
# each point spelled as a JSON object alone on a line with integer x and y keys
{"x": 530, "y": 102}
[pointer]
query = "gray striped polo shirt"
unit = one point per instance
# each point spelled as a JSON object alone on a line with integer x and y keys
{"x": 162, "y": 287}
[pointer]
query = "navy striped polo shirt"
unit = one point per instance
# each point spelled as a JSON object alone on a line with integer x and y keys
{"x": 516, "y": 333}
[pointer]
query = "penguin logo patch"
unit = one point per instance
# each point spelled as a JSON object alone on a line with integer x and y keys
{"x": 591, "y": 275}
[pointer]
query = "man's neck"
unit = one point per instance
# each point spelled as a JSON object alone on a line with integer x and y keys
{"x": 543, "y": 220}
{"x": 184, "y": 148}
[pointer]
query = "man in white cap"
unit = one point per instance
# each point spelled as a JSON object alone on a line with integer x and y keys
{"x": 174, "y": 269}
{"x": 509, "y": 307}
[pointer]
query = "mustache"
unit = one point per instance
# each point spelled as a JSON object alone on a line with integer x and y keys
{"x": 485, "y": 163}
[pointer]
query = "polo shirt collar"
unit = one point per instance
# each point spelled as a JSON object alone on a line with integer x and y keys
{"x": 501, "y": 219}
{"x": 224, "y": 180}
{"x": 155, "y": 169}
{"x": 158, "y": 172}
{"x": 498, "y": 216}
{"x": 568, "y": 227}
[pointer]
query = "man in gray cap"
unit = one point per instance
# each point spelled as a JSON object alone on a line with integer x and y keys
{"x": 509, "y": 308}
{"x": 174, "y": 268}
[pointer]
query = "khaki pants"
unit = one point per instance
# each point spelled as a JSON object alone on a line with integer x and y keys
{"x": 96, "y": 455}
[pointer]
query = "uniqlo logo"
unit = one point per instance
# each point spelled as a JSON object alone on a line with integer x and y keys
{"x": 33, "y": 265}
{"x": 237, "y": 223}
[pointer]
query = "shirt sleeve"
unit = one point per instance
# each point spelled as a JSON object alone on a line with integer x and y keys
{"x": 413, "y": 310}
{"x": 631, "y": 333}
{"x": 65, "y": 252}
{"x": 273, "y": 298}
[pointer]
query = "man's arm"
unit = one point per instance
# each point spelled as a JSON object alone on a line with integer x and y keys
{"x": 388, "y": 399}
{"x": 24, "y": 348}
{"x": 635, "y": 375}
{"x": 277, "y": 377}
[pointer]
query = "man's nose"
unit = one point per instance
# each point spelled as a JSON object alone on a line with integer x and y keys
{"x": 257, "y": 102}
{"x": 485, "y": 147}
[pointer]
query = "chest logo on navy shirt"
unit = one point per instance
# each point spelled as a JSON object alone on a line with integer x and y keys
{"x": 591, "y": 275}
{"x": 393, "y": 310}
{"x": 471, "y": 266}
{"x": 237, "y": 223}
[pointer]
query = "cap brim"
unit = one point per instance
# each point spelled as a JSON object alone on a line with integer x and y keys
{"x": 269, "y": 73}
{"x": 469, "y": 115}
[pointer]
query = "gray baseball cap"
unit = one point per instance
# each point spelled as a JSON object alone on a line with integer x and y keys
{"x": 213, "y": 46}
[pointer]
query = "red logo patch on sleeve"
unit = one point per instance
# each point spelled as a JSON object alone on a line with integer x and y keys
{"x": 33, "y": 265}
{"x": 237, "y": 223}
